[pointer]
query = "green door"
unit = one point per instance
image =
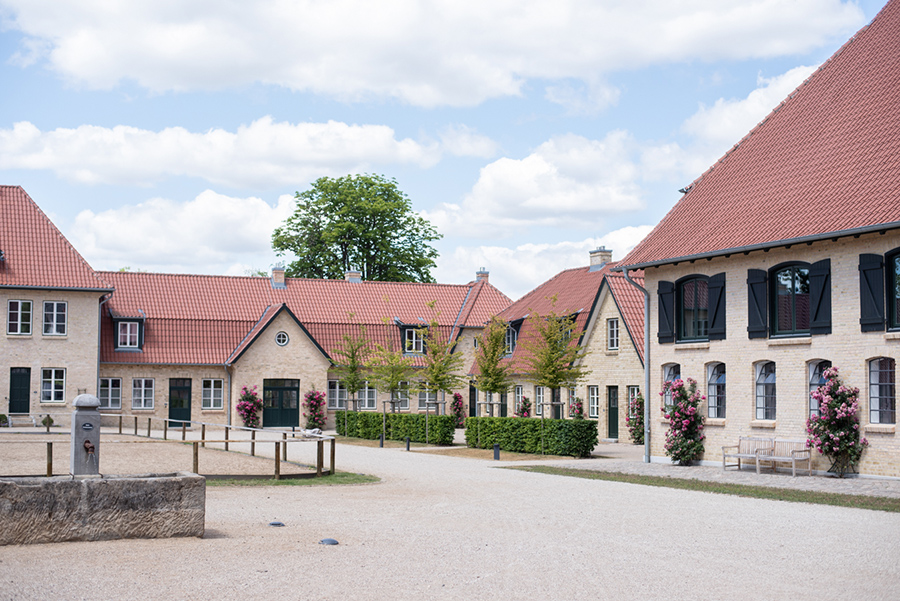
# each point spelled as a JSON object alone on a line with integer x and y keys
{"x": 281, "y": 403}
{"x": 612, "y": 406}
{"x": 503, "y": 409}
{"x": 473, "y": 400}
{"x": 556, "y": 395}
{"x": 19, "y": 383}
{"x": 179, "y": 401}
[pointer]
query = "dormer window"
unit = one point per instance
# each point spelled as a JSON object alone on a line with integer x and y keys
{"x": 129, "y": 335}
{"x": 414, "y": 342}
{"x": 512, "y": 336}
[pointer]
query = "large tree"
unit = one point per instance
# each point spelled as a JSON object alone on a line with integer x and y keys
{"x": 359, "y": 222}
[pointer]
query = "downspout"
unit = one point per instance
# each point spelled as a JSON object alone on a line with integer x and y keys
{"x": 228, "y": 372}
{"x": 646, "y": 363}
{"x": 103, "y": 300}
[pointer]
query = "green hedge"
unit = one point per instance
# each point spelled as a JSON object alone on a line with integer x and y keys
{"x": 364, "y": 424}
{"x": 575, "y": 437}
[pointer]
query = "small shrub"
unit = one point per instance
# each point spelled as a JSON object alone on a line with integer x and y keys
{"x": 457, "y": 410}
{"x": 314, "y": 401}
{"x": 576, "y": 409}
{"x": 835, "y": 431}
{"x": 524, "y": 409}
{"x": 3, "y": 419}
{"x": 47, "y": 421}
{"x": 365, "y": 424}
{"x": 684, "y": 440}
{"x": 576, "y": 438}
{"x": 635, "y": 419}
{"x": 249, "y": 406}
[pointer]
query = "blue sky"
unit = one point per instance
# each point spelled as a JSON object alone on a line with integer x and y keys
{"x": 171, "y": 135}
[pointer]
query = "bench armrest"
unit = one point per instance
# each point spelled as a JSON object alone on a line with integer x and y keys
{"x": 731, "y": 446}
{"x": 800, "y": 452}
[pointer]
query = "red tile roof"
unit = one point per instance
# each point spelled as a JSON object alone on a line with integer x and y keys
{"x": 237, "y": 309}
{"x": 825, "y": 160}
{"x": 630, "y": 302}
{"x": 36, "y": 254}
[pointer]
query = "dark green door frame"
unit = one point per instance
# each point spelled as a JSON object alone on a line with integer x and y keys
{"x": 179, "y": 401}
{"x": 612, "y": 410}
{"x": 19, "y": 385}
{"x": 281, "y": 403}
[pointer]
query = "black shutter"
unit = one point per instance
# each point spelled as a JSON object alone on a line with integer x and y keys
{"x": 666, "y": 292}
{"x": 820, "y": 297}
{"x": 871, "y": 293}
{"x": 717, "y": 307}
{"x": 757, "y": 304}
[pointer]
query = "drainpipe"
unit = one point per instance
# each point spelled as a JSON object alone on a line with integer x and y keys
{"x": 103, "y": 300}
{"x": 228, "y": 372}
{"x": 646, "y": 363}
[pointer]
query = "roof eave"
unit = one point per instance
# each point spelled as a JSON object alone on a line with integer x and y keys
{"x": 60, "y": 288}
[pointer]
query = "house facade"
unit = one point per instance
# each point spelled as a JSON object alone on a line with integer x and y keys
{"x": 783, "y": 260}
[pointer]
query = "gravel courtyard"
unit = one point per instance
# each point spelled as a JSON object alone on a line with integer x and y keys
{"x": 444, "y": 527}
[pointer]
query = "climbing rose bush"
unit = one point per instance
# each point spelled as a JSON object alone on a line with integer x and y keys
{"x": 635, "y": 419}
{"x": 576, "y": 409}
{"x": 458, "y": 411}
{"x": 248, "y": 407}
{"x": 835, "y": 431}
{"x": 524, "y": 408}
{"x": 684, "y": 440}
{"x": 314, "y": 401}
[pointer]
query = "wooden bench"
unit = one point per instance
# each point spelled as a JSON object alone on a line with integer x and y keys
{"x": 747, "y": 447}
{"x": 785, "y": 450}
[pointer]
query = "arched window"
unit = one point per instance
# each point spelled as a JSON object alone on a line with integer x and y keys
{"x": 816, "y": 379}
{"x": 671, "y": 373}
{"x": 790, "y": 300}
{"x": 765, "y": 390}
{"x": 693, "y": 297}
{"x": 882, "y": 391}
{"x": 716, "y": 390}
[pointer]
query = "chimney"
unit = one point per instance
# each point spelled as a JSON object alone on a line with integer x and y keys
{"x": 600, "y": 257}
{"x": 353, "y": 275}
{"x": 482, "y": 275}
{"x": 278, "y": 278}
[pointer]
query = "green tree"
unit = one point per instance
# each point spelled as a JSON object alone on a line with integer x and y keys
{"x": 389, "y": 368}
{"x": 353, "y": 352}
{"x": 493, "y": 374}
{"x": 442, "y": 369}
{"x": 357, "y": 222}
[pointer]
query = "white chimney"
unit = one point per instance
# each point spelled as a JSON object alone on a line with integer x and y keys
{"x": 600, "y": 257}
{"x": 278, "y": 277}
{"x": 482, "y": 275}
{"x": 353, "y": 275}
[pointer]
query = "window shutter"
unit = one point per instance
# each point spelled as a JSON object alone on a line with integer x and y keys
{"x": 666, "y": 293}
{"x": 757, "y": 304}
{"x": 717, "y": 307}
{"x": 820, "y": 297}
{"x": 871, "y": 293}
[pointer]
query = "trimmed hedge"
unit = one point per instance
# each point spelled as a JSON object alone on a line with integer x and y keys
{"x": 365, "y": 424}
{"x": 575, "y": 437}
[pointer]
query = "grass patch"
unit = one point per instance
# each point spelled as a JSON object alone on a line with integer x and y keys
{"x": 724, "y": 488}
{"x": 338, "y": 479}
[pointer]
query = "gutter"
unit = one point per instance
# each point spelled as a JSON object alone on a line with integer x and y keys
{"x": 646, "y": 361}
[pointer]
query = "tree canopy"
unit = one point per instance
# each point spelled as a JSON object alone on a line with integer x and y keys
{"x": 442, "y": 368}
{"x": 493, "y": 374}
{"x": 553, "y": 351}
{"x": 359, "y": 222}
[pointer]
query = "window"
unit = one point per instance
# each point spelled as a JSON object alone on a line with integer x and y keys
{"x": 633, "y": 393}
{"x": 693, "y": 300}
{"x": 367, "y": 397}
{"x": 128, "y": 334}
{"x": 765, "y": 390}
{"x": 612, "y": 334}
{"x": 519, "y": 395}
{"x": 403, "y": 395}
{"x": 716, "y": 390}
{"x": 894, "y": 290}
{"x": 414, "y": 341}
{"x": 671, "y": 373}
{"x": 538, "y": 400}
{"x": 18, "y": 317}
{"x": 337, "y": 395}
{"x": 512, "y": 337}
{"x": 53, "y": 385}
{"x": 425, "y": 397}
{"x": 213, "y": 393}
{"x": 142, "y": 393}
{"x": 110, "y": 393}
{"x": 882, "y": 391}
{"x": 877, "y": 304}
{"x": 594, "y": 401}
{"x": 54, "y": 318}
{"x": 475, "y": 342}
{"x": 281, "y": 338}
{"x": 816, "y": 379}
{"x": 790, "y": 300}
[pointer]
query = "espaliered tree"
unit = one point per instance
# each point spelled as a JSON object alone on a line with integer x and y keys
{"x": 493, "y": 374}
{"x": 354, "y": 351}
{"x": 441, "y": 372}
{"x": 389, "y": 368}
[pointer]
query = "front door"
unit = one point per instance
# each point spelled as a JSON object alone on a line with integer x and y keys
{"x": 179, "y": 401}
{"x": 473, "y": 401}
{"x": 503, "y": 409}
{"x": 612, "y": 406}
{"x": 281, "y": 403}
{"x": 556, "y": 395}
{"x": 19, "y": 383}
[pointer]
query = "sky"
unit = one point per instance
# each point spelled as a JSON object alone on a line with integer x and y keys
{"x": 172, "y": 135}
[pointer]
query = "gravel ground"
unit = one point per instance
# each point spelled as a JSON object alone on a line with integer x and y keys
{"x": 444, "y": 527}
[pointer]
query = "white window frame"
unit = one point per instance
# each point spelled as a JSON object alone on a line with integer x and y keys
{"x": 53, "y": 385}
{"x": 633, "y": 393}
{"x": 512, "y": 338}
{"x": 880, "y": 403}
{"x": 762, "y": 393}
{"x": 424, "y": 397}
{"x": 58, "y": 314}
{"x": 539, "y": 400}
{"x": 519, "y": 396}
{"x": 612, "y": 334}
{"x": 282, "y": 338}
{"x": 815, "y": 380}
{"x": 413, "y": 343}
{"x": 368, "y": 397}
{"x": 125, "y": 336}
{"x": 212, "y": 394}
{"x": 594, "y": 401}
{"x": 19, "y": 326}
{"x": 671, "y": 372}
{"x": 337, "y": 395}
{"x": 712, "y": 392}
{"x": 108, "y": 400}
{"x": 403, "y": 395}
{"x": 142, "y": 393}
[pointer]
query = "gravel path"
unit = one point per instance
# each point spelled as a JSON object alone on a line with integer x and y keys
{"x": 443, "y": 527}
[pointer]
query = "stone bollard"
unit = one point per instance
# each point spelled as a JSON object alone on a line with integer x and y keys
{"x": 85, "y": 451}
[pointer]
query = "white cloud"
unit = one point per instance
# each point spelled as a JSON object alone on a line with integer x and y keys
{"x": 582, "y": 99}
{"x": 564, "y": 182}
{"x": 443, "y": 52}
{"x": 212, "y": 233}
{"x": 262, "y": 154}
{"x": 516, "y": 271}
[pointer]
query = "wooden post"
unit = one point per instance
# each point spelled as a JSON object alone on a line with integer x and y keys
{"x": 183, "y": 430}
{"x": 135, "y": 425}
{"x": 165, "y": 430}
{"x": 284, "y": 447}
{"x": 203, "y": 435}
{"x": 120, "y": 424}
{"x": 277, "y": 461}
{"x": 226, "y": 438}
{"x": 49, "y": 459}
{"x": 331, "y": 471}
{"x": 48, "y": 423}
{"x": 253, "y": 443}
{"x": 320, "y": 457}
{"x": 196, "y": 457}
